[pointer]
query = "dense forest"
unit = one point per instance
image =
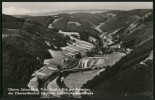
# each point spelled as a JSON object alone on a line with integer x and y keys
{"x": 25, "y": 52}
{"x": 20, "y": 60}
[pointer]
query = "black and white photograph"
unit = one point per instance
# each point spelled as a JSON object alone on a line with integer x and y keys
{"x": 77, "y": 49}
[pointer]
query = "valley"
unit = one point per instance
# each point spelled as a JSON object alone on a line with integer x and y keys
{"x": 80, "y": 50}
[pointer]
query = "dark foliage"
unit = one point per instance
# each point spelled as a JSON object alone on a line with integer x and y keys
{"x": 127, "y": 61}
{"x": 20, "y": 61}
{"x": 11, "y": 22}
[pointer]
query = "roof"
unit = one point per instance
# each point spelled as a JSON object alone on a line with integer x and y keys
{"x": 81, "y": 46}
{"x": 68, "y": 53}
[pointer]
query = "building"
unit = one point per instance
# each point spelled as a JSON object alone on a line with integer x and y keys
{"x": 69, "y": 33}
{"x": 92, "y": 39}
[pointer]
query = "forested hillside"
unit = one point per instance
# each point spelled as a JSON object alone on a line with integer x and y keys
{"x": 24, "y": 49}
{"x": 132, "y": 75}
{"x": 86, "y": 23}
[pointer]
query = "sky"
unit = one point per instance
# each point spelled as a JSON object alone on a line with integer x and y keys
{"x": 17, "y": 8}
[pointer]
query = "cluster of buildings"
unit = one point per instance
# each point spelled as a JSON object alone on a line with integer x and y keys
{"x": 69, "y": 52}
{"x": 77, "y": 47}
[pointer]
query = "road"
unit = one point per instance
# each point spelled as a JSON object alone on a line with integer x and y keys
{"x": 58, "y": 77}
